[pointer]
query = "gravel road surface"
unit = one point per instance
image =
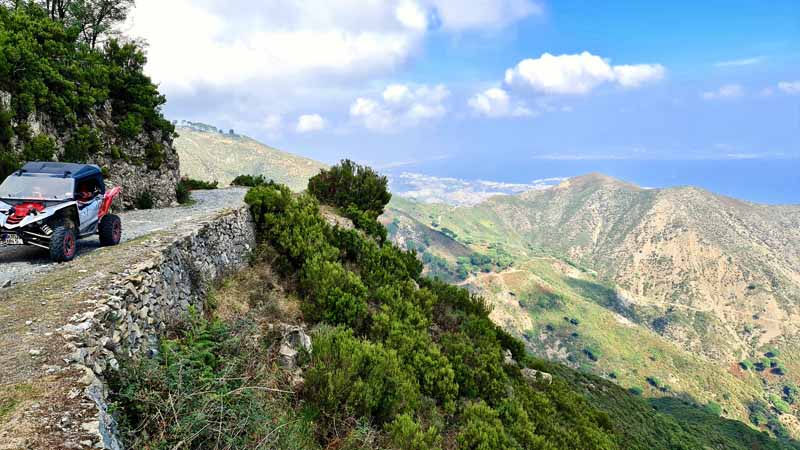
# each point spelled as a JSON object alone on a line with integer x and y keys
{"x": 20, "y": 263}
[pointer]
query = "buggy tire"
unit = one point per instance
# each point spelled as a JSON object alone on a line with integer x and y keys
{"x": 63, "y": 244}
{"x": 110, "y": 230}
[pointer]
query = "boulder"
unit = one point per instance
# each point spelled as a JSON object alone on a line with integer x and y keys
{"x": 536, "y": 376}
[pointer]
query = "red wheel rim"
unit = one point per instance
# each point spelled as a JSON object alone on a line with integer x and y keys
{"x": 69, "y": 246}
{"x": 116, "y": 232}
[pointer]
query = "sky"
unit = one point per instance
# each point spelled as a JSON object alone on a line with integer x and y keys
{"x": 448, "y": 87}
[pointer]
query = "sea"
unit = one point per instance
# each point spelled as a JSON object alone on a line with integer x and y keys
{"x": 774, "y": 182}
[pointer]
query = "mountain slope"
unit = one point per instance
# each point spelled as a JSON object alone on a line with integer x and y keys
{"x": 213, "y": 156}
{"x": 698, "y": 281}
{"x": 545, "y": 259}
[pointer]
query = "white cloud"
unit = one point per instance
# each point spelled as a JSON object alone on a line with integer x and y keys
{"x": 229, "y": 42}
{"x": 459, "y": 15}
{"x": 790, "y": 87}
{"x": 495, "y": 102}
{"x": 213, "y": 44}
{"x": 400, "y": 106}
{"x": 578, "y": 73}
{"x": 308, "y": 123}
{"x": 632, "y": 76}
{"x": 725, "y": 91}
{"x": 739, "y": 62}
{"x": 412, "y": 15}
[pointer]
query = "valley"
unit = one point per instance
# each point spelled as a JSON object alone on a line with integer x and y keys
{"x": 672, "y": 294}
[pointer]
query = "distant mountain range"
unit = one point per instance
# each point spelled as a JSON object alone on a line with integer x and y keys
{"x": 674, "y": 293}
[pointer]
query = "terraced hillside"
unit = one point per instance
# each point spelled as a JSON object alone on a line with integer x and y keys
{"x": 214, "y": 156}
{"x": 664, "y": 290}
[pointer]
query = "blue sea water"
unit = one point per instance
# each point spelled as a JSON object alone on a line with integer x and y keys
{"x": 756, "y": 180}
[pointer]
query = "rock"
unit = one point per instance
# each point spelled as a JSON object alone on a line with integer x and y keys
{"x": 77, "y": 329}
{"x": 5, "y": 284}
{"x": 535, "y": 376}
{"x": 34, "y": 352}
{"x": 287, "y": 357}
{"x": 508, "y": 358}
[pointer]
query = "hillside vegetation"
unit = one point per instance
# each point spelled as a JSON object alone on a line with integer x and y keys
{"x": 398, "y": 360}
{"x": 704, "y": 285}
{"x": 206, "y": 154}
{"x": 65, "y": 95}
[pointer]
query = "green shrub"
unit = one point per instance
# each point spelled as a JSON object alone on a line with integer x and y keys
{"x": 48, "y": 69}
{"x": 250, "y": 181}
{"x": 337, "y": 296}
{"x": 348, "y": 183}
{"x": 182, "y": 194}
{"x": 154, "y": 154}
{"x": 790, "y": 393}
{"x": 636, "y": 390}
{"x": 779, "y": 404}
{"x": 196, "y": 386}
{"x": 6, "y": 128}
{"x": 193, "y": 185}
{"x": 406, "y": 434}
{"x": 367, "y": 221}
{"x": 83, "y": 144}
{"x": 714, "y": 408}
{"x": 482, "y": 429}
{"x": 144, "y": 201}
{"x": 350, "y": 377}
{"x": 131, "y": 126}
{"x": 40, "y": 148}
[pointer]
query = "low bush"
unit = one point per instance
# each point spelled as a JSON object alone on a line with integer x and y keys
{"x": 351, "y": 378}
{"x": 348, "y": 183}
{"x": 144, "y": 201}
{"x": 250, "y": 181}
{"x": 202, "y": 391}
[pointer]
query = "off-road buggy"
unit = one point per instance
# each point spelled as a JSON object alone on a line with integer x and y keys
{"x": 51, "y": 205}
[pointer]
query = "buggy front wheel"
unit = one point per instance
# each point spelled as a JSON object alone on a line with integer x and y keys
{"x": 63, "y": 244}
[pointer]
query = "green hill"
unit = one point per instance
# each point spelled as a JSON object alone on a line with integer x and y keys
{"x": 209, "y": 155}
{"x": 667, "y": 291}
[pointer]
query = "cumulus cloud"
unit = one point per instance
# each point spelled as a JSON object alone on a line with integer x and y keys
{"x": 726, "y": 91}
{"x": 225, "y": 42}
{"x": 578, "y": 73}
{"x": 633, "y": 76}
{"x": 412, "y": 15}
{"x": 457, "y": 191}
{"x": 308, "y": 123}
{"x": 496, "y": 102}
{"x": 790, "y": 87}
{"x": 400, "y": 106}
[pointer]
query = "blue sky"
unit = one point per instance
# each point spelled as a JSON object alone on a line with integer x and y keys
{"x": 446, "y": 85}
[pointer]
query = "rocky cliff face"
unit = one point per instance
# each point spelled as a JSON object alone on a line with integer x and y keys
{"x": 124, "y": 161}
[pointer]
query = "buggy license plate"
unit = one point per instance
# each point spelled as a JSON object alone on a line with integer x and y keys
{"x": 10, "y": 239}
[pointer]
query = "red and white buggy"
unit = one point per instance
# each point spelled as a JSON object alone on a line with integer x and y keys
{"x": 51, "y": 205}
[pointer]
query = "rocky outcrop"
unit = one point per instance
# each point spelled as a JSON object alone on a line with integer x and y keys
{"x": 123, "y": 160}
{"x": 139, "y": 304}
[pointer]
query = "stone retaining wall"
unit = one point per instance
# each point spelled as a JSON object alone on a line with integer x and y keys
{"x": 139, "y": 304}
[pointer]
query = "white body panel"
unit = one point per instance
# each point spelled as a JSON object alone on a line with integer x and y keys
{"x": 48, "y": 212}
{"x": 88, "y": 214}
